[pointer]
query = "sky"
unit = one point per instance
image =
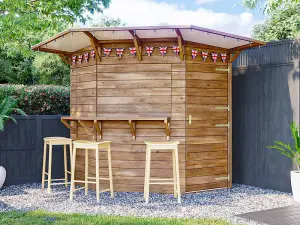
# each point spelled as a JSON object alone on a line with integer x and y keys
{"x": 222, "y": 15}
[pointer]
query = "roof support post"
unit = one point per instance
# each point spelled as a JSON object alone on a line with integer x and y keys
{"x": 180, "y": 44}
{"x": 137, "y": 44}
{"x": 96, "y": 46}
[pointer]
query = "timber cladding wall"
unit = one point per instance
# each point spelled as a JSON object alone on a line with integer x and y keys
{"x": 156, "y": 86}
{"x": 127, "y": 87}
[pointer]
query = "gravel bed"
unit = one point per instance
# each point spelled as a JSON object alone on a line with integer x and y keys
{"x": 223, "y": 204}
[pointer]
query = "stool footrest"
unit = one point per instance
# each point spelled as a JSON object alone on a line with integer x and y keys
{"x": 82, "y": 181}
{"x": 105, "y": 190}
{"x": 46, "y": 173}
{"x": 164, "y": 183}
{"x": 59, "y": 183}
{"x": 56, "y": 179}
{"x": 69, "y": 172}
{"x": 162, "y": 179}
{"x": 100, "y": 178}
{"x": 77, "y": 189}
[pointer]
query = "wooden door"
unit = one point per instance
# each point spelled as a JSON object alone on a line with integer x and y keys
{"x": 208, "y": 151}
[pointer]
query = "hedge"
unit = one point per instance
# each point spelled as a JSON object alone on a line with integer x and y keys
{"x": 39, "y": 99}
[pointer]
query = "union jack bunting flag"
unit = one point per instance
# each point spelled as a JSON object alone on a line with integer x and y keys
{"x": 214, "y": 57}
{"x": 163, "y": 51}
{"x": 149, "y": 51}
{"x": 80, "y": 58}
{"x": 74, "y": 57}
{"x": 133, "y": 51}
{"x": 224, "y": 56}
{"x": 194, "y": 53}
{"x": 120, "y": 52}
{"x": 176, "y": 49}
{"x": 204, "y": 56}
{"x": 86, "y": 56}
{"x": 92, "y": 54}
{"x": 106, "y": 51}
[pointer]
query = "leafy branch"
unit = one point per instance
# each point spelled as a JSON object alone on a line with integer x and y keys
{"x": 292, "y": 152}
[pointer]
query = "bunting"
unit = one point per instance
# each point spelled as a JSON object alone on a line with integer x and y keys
{"x": 119, "y": 52}
{"x": 214, "y": 57}
{"x": 149, "y": 51}
{"x": 204, "y": 56}
{"x": 80, "y": 58}
{"x": 194, "y": 53}
{"x": 133, "y": 52}
{"x": 106, "y": 51}
{"x": 163, "y": 51}
{"x": 176, "y": 49}
{"x": 224, "y": 57}
{"x": 86, "y": 56}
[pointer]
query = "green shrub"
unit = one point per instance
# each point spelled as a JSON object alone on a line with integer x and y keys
{"x": 39, "y": 99}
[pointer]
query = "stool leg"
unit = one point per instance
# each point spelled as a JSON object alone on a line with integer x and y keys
{"x": 148, "y": 174}
{"x": 145, "y": 180}
{"x": 73, "y": 173}
{"x": 174, "y": 173}
{"x": 65, "y": 165}
{"x": 110, "y": 172}
{"x": 177, "y": 175}
{"x": 86, "y": 187}
{"x": 71, "y": 152}
{"x": 97, "y": 176}
{"x": 50, "y": 167}
{"x": 44, "y": 165}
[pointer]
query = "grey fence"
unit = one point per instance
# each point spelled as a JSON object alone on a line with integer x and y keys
{"x": 21, "y": 148}
{"x": 265, "y": 101}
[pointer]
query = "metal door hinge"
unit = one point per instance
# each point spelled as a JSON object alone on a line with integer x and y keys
{"x": 222, "y": 69}
{"x": 223, "y": 107}
{"x": 222, "y": 125}
{"x": 223, "y": 178}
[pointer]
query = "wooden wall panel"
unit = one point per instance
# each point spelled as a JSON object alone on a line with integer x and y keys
{"x": 128, "y": 87}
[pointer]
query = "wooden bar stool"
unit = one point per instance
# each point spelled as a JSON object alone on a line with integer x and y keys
{"x": 173, "y": 146}
{"x": 51, "y": 141}
{"x": 96, "y": 146}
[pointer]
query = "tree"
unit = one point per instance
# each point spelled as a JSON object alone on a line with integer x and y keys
{"x": 22, "y": 21}
{"x": 109, "y": 22}
{"x": 282, "y": 23}
{"x": 267, "y": 5}
{"x": 50, "y": 69}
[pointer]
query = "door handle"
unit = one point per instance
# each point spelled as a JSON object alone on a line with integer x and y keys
{"x": 190, "y": 119}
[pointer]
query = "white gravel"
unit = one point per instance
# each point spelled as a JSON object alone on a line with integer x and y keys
{"x": 223, "y": 204}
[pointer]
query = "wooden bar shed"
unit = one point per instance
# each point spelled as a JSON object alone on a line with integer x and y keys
{"x": 158, "y": 83}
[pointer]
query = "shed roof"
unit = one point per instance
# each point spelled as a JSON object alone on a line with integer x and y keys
{"x": 74, "y": 39}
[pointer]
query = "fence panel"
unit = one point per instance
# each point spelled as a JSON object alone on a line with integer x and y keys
{"x": 21, "y": 148}
{"x": 265, "y": 101}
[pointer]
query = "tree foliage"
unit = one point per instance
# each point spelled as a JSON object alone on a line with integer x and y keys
{"x": 23, "y": 22}
{"x": 267, "y": 5}
{"x": 282, "y": 23}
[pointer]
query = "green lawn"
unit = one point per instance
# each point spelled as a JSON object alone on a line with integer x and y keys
{"x": 42, "y": 218}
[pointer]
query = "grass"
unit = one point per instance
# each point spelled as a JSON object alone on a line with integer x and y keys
{"x": 43, "y": 218}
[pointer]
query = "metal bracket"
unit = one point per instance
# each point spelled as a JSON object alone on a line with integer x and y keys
{"x": 222, "y": 69}
{"x": 223, "y": 178}
{"x": 223, "y": 107}
{"x": 222, "y": 125}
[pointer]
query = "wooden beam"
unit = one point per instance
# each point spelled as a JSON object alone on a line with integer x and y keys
{"x": 53, "y": 51}
{"x": 132, "y": 128}
{"x": 95, "y": 44}
{"x": 84, "y": 125}
{"x": 167, "y": 126}
{"x": 137, "y": 44}
{"x": 68, "y": 125}
{"x": 243, "y": 47}
{"x": 180, "y": 44}
{"x": 66, "y": 60}
{"x": 234, "y": 56}
{"x": 98, "y": 128}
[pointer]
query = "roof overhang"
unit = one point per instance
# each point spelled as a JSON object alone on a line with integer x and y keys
{"x": 74, "y": 39}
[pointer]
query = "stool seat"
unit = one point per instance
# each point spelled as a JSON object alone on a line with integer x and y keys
{"x": 170, "y": 145}
{"x": 56, "y": 138}
{"x": 91, "y": 143}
